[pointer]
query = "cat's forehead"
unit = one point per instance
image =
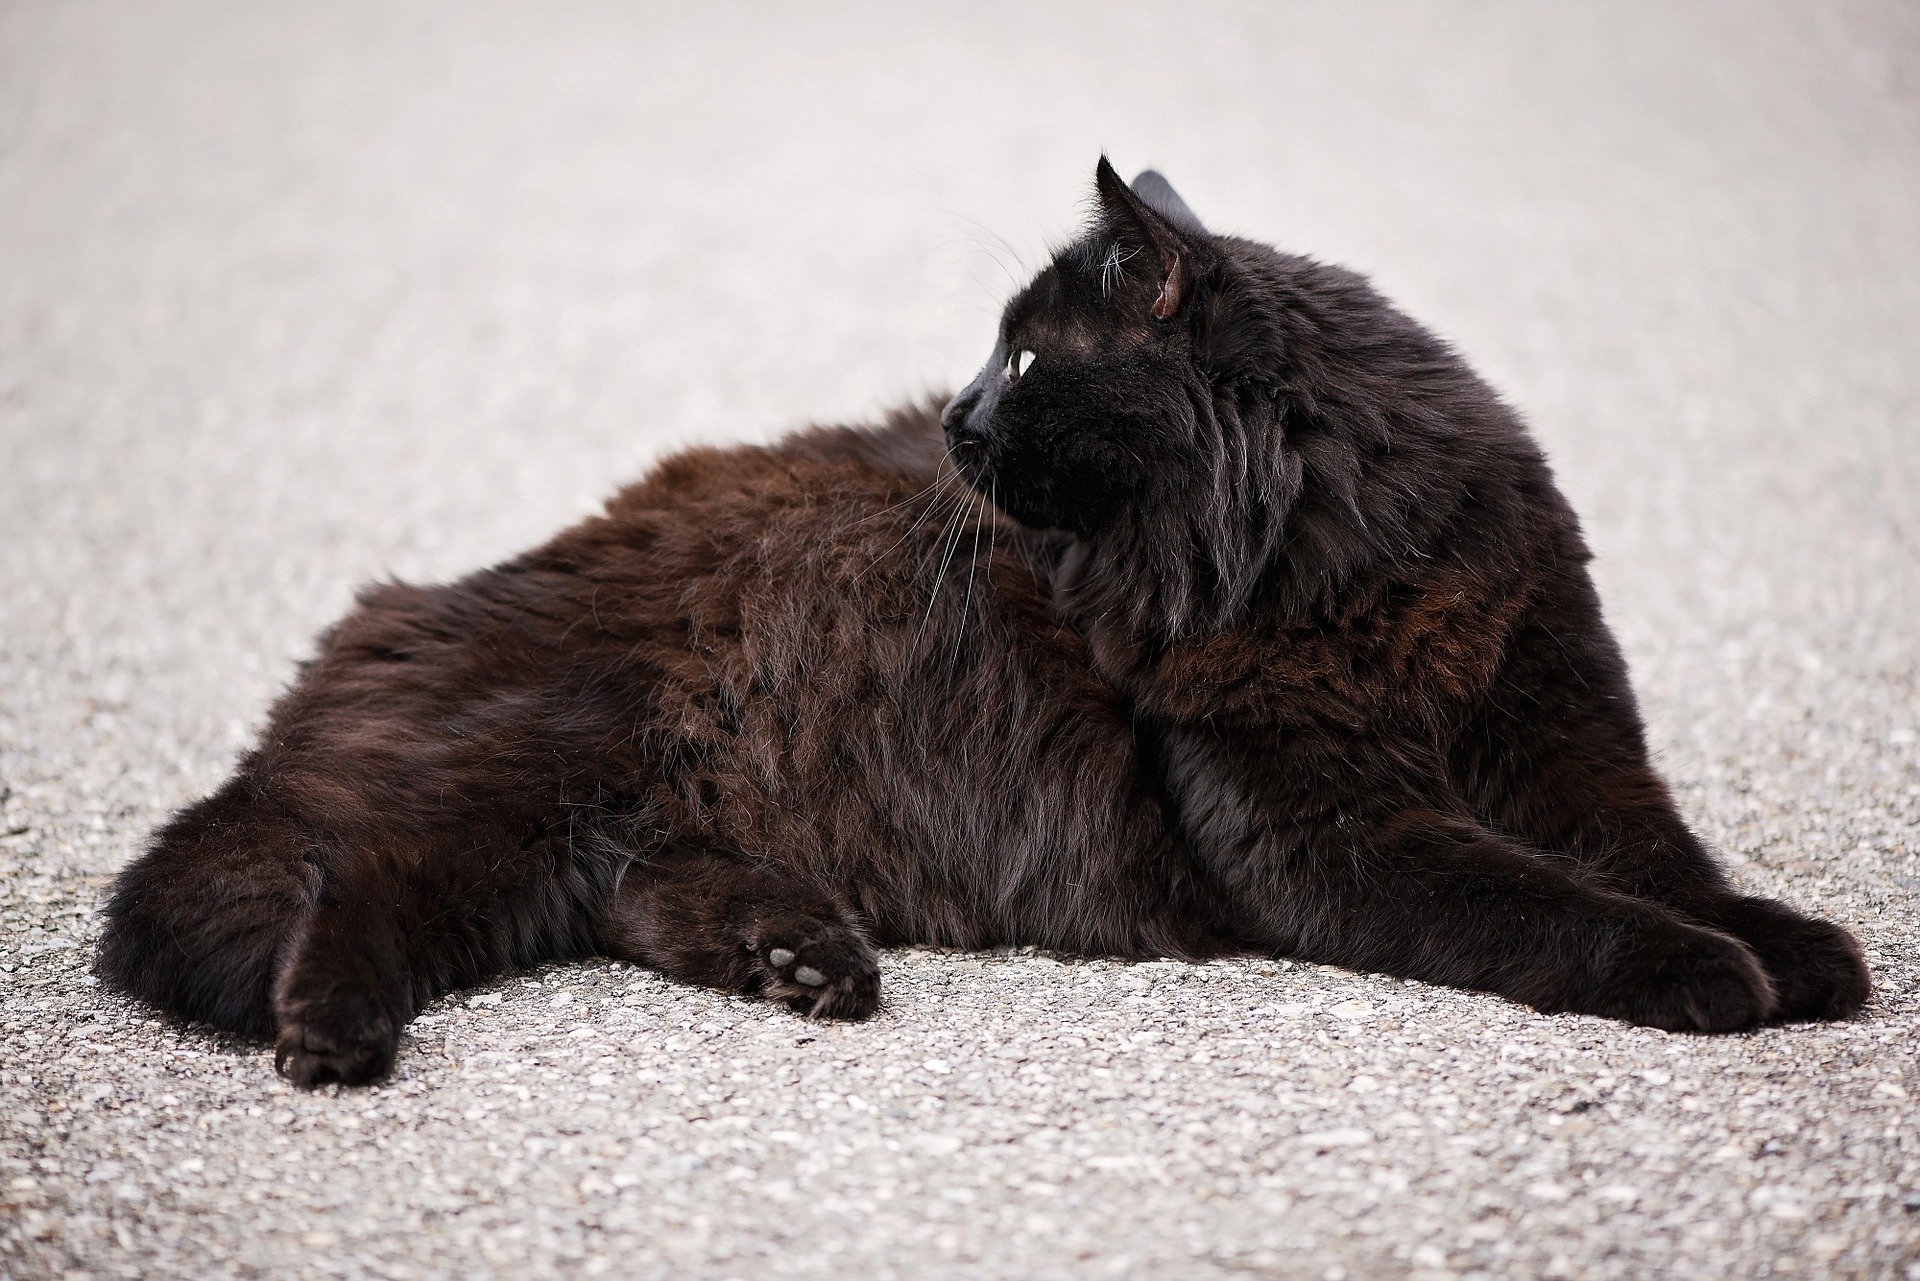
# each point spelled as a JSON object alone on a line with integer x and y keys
{"x": 1073, "y": 302}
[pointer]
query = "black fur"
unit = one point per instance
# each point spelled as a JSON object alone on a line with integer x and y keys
{"x": 779, "y": 705}
{"x": 1352, "y": 611}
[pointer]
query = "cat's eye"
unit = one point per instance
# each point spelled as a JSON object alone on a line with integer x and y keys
{"x": 1018, "y": 362}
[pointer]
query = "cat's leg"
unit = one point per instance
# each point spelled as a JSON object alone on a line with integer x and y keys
{"x": 1341, "y": 854}
{"x": 724, "y": 922}
{"x": 344, "y": 993}
{"x": 393, "y": 928}
{"x": 1557, "y": 758}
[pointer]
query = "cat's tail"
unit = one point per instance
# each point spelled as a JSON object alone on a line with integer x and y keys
{"x": 197, "y": 924}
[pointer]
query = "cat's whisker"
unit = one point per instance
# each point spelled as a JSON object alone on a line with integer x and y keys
{"x": 993, "y": 548}
{"x": 966, "y": 602}
{"x": 950, "y": 535}
{"x": 937, "y": 492}
{"x": 979, "y": 249}
{"x": 940, "y": 478}
{"x": 1015, "y": 280}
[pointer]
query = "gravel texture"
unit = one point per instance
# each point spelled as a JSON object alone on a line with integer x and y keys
{"x": 296, "y": 295}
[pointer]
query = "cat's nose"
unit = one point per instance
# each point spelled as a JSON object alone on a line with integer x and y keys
{"x": 957, "y": 410}
{"x": 966, "y": 429}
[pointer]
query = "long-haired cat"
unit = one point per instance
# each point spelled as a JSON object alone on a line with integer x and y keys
{"x": 777, "y": 705}
{"x": 1352, "y": 612}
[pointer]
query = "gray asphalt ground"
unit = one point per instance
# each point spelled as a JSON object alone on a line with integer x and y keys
{"x": 296, "y": 295}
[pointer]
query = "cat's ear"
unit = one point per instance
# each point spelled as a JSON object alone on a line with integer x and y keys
{"x": 1165, "y": 201}
{"x": 1150, "y": 219}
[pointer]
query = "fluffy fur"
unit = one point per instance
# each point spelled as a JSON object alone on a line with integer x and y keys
{"x": 774, "y": 707}
{"x": 1294, "y": 650}
{"x": 1335, "y": 579}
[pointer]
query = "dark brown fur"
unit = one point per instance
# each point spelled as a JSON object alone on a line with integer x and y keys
{"x": 746, "y": 725}
{"x": 1352, "y": 611}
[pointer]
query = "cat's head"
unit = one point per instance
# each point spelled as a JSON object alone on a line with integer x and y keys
{"x": 1210, "y": 421}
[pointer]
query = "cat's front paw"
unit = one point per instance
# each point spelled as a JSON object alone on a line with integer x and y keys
{"x": 1816, "y": 967}
{"x": 1686, "y": 979}
{"x": 820, "y": 969}
{"x": 349, "y": 1039}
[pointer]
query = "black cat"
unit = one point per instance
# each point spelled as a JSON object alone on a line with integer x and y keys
{"x": 779, "y": 704}
{"x": 1352, "y": 612}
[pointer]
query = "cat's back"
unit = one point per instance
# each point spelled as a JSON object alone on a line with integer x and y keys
{"x": 831, "y": 539}
{"x": 685, "y": 575}
{"x": 714, "y": 502}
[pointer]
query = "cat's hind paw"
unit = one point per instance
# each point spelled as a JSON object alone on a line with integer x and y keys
{"x": 822, "y": 970}
{"x": 350, "y": 1041}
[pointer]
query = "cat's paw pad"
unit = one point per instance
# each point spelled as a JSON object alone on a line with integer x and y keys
{"x": 1817, "y": 968}
{"x": 1685, "y": 979}
{"x": 819, "y": 969}
{"x": 352, "y": 1042}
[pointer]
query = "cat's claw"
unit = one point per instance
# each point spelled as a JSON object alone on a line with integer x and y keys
{"x": 820, "y": 969}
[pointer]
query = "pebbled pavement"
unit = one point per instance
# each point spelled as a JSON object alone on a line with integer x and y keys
{"x": 296, "y": 295}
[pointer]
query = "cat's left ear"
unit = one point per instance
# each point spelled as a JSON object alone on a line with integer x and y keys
{"x": 1150, "y": 217}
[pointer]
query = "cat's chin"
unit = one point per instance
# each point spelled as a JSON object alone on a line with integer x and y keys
{"x": 968, "y": 457}
{"x": 1037, "y": 516}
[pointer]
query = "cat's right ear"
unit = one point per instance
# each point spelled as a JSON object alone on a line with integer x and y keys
{"x": 1164, "y": 238}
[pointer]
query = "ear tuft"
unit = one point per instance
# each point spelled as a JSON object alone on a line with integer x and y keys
{"x": 1123, "y": 209}
{"x": 1135, "y": 221}
{"x": 1112, "y": 188}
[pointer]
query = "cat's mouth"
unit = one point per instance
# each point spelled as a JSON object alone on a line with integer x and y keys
{"x": 1023, "y": 493}
{"x": 969, "y": 441}
{"x": 1022, "y": 467}
{"x": 970, "y": 457}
